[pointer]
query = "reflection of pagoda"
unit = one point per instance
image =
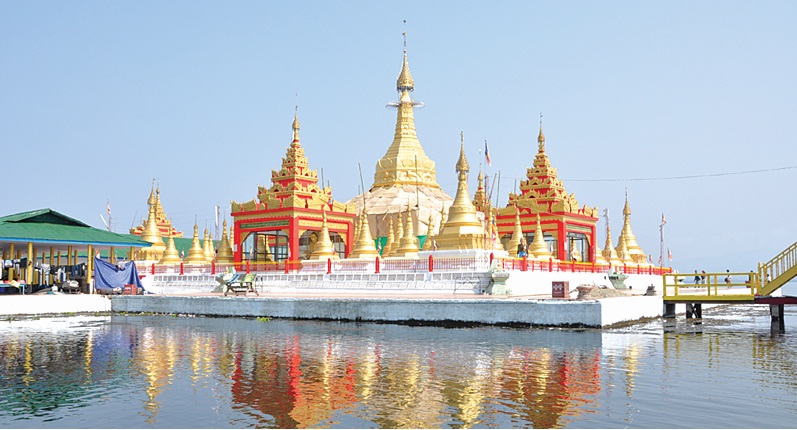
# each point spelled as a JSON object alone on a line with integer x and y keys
{"x": 405, "y": 175}
{"x": 564, "y": 224}
{"x": 285, "y": 221}
{"x": 163, "y": 225}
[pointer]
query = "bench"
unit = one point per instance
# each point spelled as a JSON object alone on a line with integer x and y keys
{"x": 19, "y": 285}
{"x": 241, "y": 284}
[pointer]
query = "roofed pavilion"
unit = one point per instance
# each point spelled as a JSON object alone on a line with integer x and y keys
{"x": 565, "y": 225}
{"x": 285, "y": 221}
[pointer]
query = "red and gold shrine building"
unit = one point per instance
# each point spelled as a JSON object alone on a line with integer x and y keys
{"x": 285, "y": 220}
{"x": 566, "y": 226}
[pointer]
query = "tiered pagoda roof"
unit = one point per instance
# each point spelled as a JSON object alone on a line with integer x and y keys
{"x": 295, "y": 185}
{"x": 162, "y": 222}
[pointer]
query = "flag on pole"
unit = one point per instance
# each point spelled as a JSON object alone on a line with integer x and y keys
{"x": 669, "y": 254}
{"x": 486, "y": 153}
{"x": 663, "y": 221}
{"x": 108, "y": 208}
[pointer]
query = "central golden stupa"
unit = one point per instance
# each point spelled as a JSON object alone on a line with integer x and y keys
{"x": 405, "y": 175}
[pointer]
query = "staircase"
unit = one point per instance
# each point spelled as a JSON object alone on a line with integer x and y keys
{"x": 781, "y": 269}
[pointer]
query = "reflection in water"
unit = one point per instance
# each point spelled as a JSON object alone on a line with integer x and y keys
{"x": 205, "y": 372}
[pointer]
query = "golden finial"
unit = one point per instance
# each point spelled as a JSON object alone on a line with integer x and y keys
{"x": 405, "y": 82}
{"x": 295, "y": 125}
{"x": 462, "y": 162}
{"x": 541, "y": 137}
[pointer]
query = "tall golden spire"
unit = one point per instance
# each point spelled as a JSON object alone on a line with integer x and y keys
{"x": 405, "y": 162}
{"x": 462, "y": 230}
{"x": 635, "y": 252}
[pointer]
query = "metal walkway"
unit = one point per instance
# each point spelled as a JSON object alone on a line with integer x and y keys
{"x": 733, "y": 287}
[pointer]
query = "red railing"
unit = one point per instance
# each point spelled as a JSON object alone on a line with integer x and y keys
{"x": 416, "y": 265}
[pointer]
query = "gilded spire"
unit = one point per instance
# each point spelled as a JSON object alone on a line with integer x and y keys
{"x": 225, "y": 250}
{"x": 427, "y": 245}
{"x": 324, "y": 248}
{"x": 170, "y": 256}
{"x": 391, "y": 238}
{"x": 405, "y": 162}
{"x": 399, "y": 235}
{"x": 635, "y": 252}
{"x": 462, "y": 230}
{"x": 541, "y": 138}
{"x": 364, "y": 248}
{"x": 295, "y": 127}
{"x": 609, "y": 252}
{"x": 207, "y": 247}
{"x": 409, "y": 243}
{"x": 517, "y": 235}
{"x": 538, "y": 246}
{"x": 196, "y": 255}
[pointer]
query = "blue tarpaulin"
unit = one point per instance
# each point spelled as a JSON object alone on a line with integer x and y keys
{"x": 115, "y": 276}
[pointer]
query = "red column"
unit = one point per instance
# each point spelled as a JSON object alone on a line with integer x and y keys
{"x": 561, "y": 240}
{"x": 236, "y": 242}
{"x": 212, "y": 267}
{"x": 181, "y": 268}
{"x": 431, "y": 263}
{"x": 329, "y": 266}
{"x": 293, "y": 240}
{"x": 247, "y": 267}
{"x": 377, "y": 265}
{"x": 153, "y": 268}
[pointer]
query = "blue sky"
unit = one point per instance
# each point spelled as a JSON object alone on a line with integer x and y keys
{"x": 98, "y": 98}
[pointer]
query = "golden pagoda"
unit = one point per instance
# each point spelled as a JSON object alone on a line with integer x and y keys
{"x": 225, "y": 251}
{"x": 151, "y": 235}
{"x": 170, "y": 256}
{"x": 324, "y": 248}
{"x": 405, "y": 172}
{"x": 162, "y": 223}
{"x": 538, "y": 248}
{"x": 480, "y": 197}
{"x": 364, "y": 247}
{"x": 290, "y": 209}
{"x": 408, "y": 246}
{"x": 430, "y": 237}
{"x": 196, "y": 255}
{"x": 208, "y": 248}
{"x": 544, "y": 194}
{"x": 517, "y": 237}
{"x": 635, "y": 252}
{"x": 462, "y": 230}
{"x": 391, "y": 238}
{"x": 399, "y": 235}
{"x": 609, "y": 252}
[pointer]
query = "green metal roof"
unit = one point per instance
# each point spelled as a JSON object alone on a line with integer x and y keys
{"x": 46, "y": 226}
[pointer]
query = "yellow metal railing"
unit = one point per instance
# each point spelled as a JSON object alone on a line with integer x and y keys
{"x": 779, "y": 270}
{"x": 712, "y": 287}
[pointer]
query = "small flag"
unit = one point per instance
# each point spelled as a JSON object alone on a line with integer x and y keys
{"x": 434, "y": 244}
{"x": 218, "y": 208}
{"x": 669, "y": 254}
{"x": 486, "y": 153}
{"x": 663, "y": 221}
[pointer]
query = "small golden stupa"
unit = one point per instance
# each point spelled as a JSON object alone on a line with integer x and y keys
{"x": 225, "y": 250}
{"x": 538, "y": 247}
{"x": 635, "y": 253}
{"x": 196, "y": 255}
{"x": 462, "y": 230}
{"x": 364, "y": 246}
{"x": 324, "y": 248}
{"x": 170, "y": 256}
{"x": 408, "y": 247}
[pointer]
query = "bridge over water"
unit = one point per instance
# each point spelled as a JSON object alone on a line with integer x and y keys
{"x": 760, "y": 287}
